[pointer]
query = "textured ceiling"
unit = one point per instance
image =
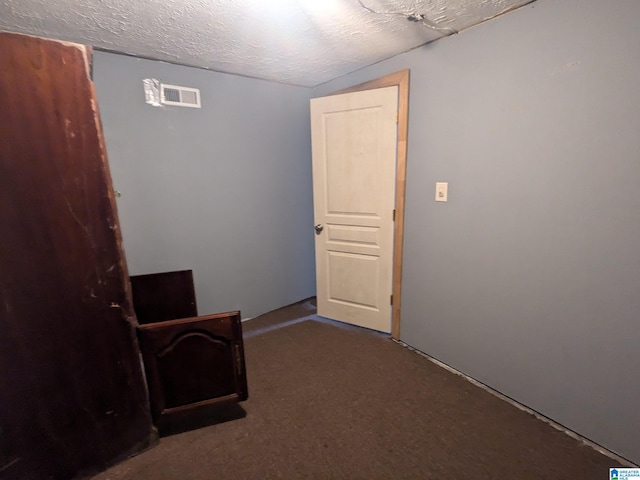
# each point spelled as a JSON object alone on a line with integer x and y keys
{"x": 301, "y": 42}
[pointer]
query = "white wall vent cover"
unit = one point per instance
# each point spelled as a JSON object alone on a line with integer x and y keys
{"x": 160, "y": 94}
{"x": 179, "y": 96}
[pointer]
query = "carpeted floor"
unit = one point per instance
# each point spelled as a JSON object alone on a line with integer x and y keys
{"x": 330, "y": 401}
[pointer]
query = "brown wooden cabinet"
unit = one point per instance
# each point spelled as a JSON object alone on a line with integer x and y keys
{"x": 190, "y": 362}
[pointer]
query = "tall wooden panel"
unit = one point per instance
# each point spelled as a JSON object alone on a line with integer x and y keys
{"x": 72, "y": 394}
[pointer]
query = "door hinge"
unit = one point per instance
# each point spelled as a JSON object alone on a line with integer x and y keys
{"x": 391, "y": 299}
{"x": 394, "y": 214}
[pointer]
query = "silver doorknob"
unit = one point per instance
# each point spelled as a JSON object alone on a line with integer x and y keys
{"x": 318, "y": 228}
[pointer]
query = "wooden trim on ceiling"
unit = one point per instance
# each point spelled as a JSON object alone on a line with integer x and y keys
{"x": 401, "y": 80}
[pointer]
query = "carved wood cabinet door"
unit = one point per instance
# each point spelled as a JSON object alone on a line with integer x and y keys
{"x": 193, "y": 362}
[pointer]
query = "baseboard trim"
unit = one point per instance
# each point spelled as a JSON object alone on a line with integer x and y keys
{"x": 624, "y": 462}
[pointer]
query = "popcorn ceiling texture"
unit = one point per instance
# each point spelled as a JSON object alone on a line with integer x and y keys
{"x": 300, "y": 42}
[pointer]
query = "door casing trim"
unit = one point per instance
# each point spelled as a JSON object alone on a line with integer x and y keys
{"x": 401, "y": 80}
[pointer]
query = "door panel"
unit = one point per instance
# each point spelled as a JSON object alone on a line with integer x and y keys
{"x": 353, "y": 279}
{"x": 193, "y": 362}
{"x": 354, "y": 159}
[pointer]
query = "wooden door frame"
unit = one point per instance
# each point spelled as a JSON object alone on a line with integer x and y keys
{"x": 401, "y": 80}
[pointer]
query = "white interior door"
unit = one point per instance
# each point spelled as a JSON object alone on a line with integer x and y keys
{"x": 354, "y": 140}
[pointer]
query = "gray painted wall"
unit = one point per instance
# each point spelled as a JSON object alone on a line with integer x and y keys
{"x": 528, "y": 279}
{"x": 225, "y": 190}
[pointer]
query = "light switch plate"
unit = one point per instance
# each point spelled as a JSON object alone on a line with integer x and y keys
{"x": 442, "y": 190}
